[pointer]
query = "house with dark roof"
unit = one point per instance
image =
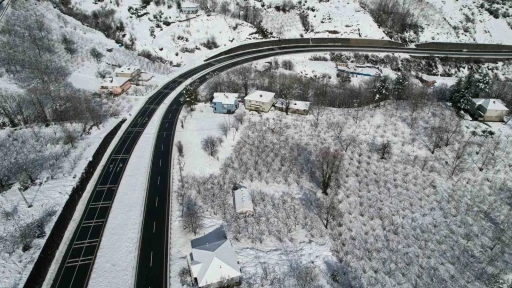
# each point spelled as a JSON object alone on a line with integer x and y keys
{"x": 213, "y": 262}
{"x": 489, "y": 110}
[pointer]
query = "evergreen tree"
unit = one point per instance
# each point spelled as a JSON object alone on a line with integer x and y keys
{"x": 382, "y": 91}
{"x": 461, "y": 93}
{"x": 482, "y": 87}
{"x": 190, "y": 97}
{"x": 399, "y": 85}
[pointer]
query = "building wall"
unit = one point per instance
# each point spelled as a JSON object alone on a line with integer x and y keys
{"x": 294, "y": 111}
{"x": 258, "y": 105}
{"x": 495, "y": 116}
{"x": 223, "y": 108}
{"x": 126, "y": 86}
{"x": 189, "y": 10}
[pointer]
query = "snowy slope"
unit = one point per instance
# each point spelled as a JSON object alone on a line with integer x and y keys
{"x": 441, "y": 20}
{"x": 58, "y": 180}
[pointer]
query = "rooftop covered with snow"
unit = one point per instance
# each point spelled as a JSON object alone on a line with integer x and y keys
{"x": 126, "y": 69}
{"x": 189, "y": 5}
{"x": 225, "y": 98}
{"x": 298, "y": 105}
{"x": 243, "y": 200}
{"x": 114, "y": 81}
{"x": 213, "y": 259}
{"x": 262, "y": 96}
{"x": 490, "y": 104}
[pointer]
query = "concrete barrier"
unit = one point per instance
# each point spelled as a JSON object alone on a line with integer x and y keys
{"x": 308, "y": 41}
{"x": 464, "y": 46}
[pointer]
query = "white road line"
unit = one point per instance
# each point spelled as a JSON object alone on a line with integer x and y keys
{"x": 160, "y": 162}
{"x": 154, "y": 223}
{"x": 159, "y": 178}
{"x": 151, "y": 260}
{"x": 166, "y": 124}
{"x": 162, "y": 147}
{"x": 165, "y": 132}
{"x": 156, "y": 204}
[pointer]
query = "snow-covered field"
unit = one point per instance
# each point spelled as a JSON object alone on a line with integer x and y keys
{"x": 402, "y": 203}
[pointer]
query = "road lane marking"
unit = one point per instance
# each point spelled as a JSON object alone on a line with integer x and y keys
{"x": 151, "y": 260}
{"x": 156, "y": 204}
{"x": 159, "y": 178}
{"x": 160, "y": 162}
{"x": 166, "y": 124}
{"x": 154, "y": 226}
{"x": 162, "y": 147}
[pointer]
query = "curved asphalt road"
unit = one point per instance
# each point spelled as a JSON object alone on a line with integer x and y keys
{"x": 152, "y": 267}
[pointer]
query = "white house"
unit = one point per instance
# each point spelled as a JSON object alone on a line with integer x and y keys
{"x": 259, "y": 101}
{"x": 297, "y": 107}
{"x": 189, "y": 8}
{"x": 243, "y": 201}
{"x": 127, "y": 71}
{"x": 491, "y": 110}
{"x": 213, "y": 260}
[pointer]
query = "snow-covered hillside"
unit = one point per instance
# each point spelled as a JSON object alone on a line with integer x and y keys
{"x": 54, "y": 156}
{"x": 439, "y": 20}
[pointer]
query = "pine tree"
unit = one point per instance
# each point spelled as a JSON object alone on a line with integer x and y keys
{"x": 190, "y": 97}
{"x": 383, "y": 88}
{"x": 462, "y": 92}
{"x": 399, "y": 85}
{"x": 483, "y": 86}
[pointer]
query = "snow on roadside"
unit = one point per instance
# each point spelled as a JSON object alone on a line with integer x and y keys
{"x": 116, "y": 256}
{"x": 52, "y": 193}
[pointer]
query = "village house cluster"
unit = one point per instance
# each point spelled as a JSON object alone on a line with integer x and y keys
{"x": 122, "y": 80}
{"x": 259, "y": 101}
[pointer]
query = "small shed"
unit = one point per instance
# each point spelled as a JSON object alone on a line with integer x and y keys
{"x": 189, "y": 8}
{"x": 243, "y": 200}
{"x": 225, "y": 103}
{"x": 259, "y": 101}
{"x": 490, "y": 110}
{"x": 296, "y": 107}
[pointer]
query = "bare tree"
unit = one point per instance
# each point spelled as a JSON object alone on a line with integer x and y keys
{"x": 288, "y": 65}
{"x": 213, "y": 5}
{"x": 210, "y": 145}
{"x": 317, "y": 112}
{"x": 192, "y": 215}
{"x": 224, "y": 8}
{"x": 458, "y": 163}
{"x": 304, "y": 20}
{"x": 337, "y": 128}
{"x": 304, "y": 275}
{"x": 224, "y": 127}
{"x": 451, "y": 126}
{"x": 179, "y": 146}
{"x": 239, "y": 117}
{"x": 327, "y": 164}
{"x": 435, "y": 136}
{"x": 488, "y": 152}
{"x": 244, "y": 76}
{"x": 384, "y": 149}
{"x": 325, "y": 208}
